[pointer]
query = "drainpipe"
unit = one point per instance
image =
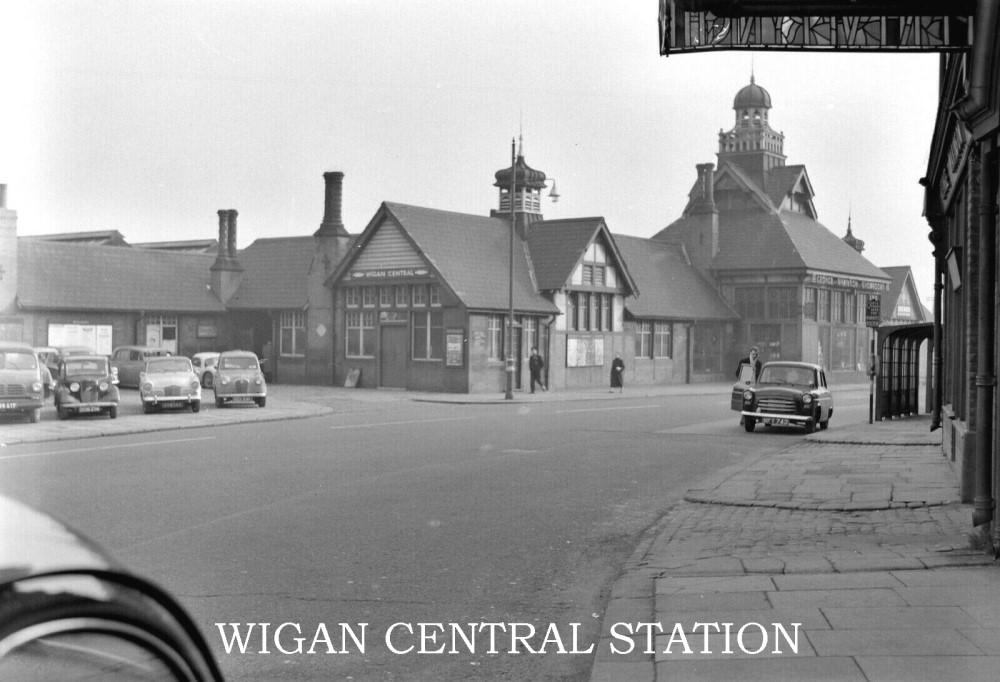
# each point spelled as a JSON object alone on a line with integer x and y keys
{"x": 937, "y": 238}
{"x": 985, "y": 337}
{"x": 687, "y": 353}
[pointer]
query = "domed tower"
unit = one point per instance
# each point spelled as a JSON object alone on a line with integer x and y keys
{"x": 752, "y": 143}
{"x": 528, "y": 184}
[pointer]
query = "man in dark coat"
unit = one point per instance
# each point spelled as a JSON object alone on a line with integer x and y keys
{"x": 752, "y": 359}
{"x": 535, "y": 365}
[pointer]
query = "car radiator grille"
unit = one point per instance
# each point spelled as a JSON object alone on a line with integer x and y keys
{"x": 89, "y": 393}
{"x": 12, "y": 391}
{"x": 777, "y": 405}
{"x": 172, "y": 391}
{"x": 242, "y": 386}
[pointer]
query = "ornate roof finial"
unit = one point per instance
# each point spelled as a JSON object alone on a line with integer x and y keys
{"x": 751, "y": 70}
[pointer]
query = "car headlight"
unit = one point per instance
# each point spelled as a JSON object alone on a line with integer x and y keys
{"x": 195, "y": 384}
{"x": 103, "y": 386}
{"x": 36, "y": 387}
{"x": 258, "y": 379}
{"x": 747, "y": 396}
{"x": 224, "y": 379}
{"x": 74, "y": 387}
{"x": 147, "y": 387}
{"x": 807, "y": 399}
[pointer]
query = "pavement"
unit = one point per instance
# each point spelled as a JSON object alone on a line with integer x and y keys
{"x": 846, "y": 556}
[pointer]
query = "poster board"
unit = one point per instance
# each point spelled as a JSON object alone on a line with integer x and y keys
{"x": 584, "y": 351}
{"x": 352, "y": 378}
{"x": 454, "y": 348}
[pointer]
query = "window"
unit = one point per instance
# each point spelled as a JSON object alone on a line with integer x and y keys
{"x": 368, "y": 296}
{"x": 850, "y": 308}
{"x": 434, "y": 294}
{"x": 494, "y": 337}
{"x": 663, "y": 340}
{"x": 571, "y": 319}
{"x": 750, "y": 302}
{"x": 823, "y": 305}
{"x": 607, "y": 313}
{"x": 419, "y": 295}
{"x": 293, "y": 333}
{"x": 402, "y": 296}
{"x": 781, "y": 303}
{"x": 809, "y": 304}
{"x": 529, "y": 333}
{"x": 428, "y": 334}
{"x": 360, "y": 334}
{"x": 837, "y": 305}
{"x": 583, "y": 308}
{"x": 352, "y": 298}
{"x": 595, "y": 311}
{"x": 644, "y": 340}
{"x": 385, "y": 297}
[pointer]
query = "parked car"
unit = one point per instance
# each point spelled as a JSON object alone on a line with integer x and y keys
{"x": 238, "y": 378}
{"x": 127, "y": 362}
{"x": 53, "y": 355}
{"x": 85, "y": 385}
{"x": 169, "y": 381}
{"x": 204, "y": 366}
{"x": 787, "y": 393}
{"x": 70, "y": 611}
{"x": 21, "y": 384}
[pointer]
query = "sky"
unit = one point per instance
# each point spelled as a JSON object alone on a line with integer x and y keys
{"x": 149, "y": 117}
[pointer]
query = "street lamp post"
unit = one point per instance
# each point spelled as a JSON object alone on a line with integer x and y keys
{"x": 509, "y": 341}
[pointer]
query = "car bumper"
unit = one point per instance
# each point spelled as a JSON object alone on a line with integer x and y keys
{"x": 8, "y": 405}
{"x": 170, "y": 399}
{"x": 799, "y": 418}
{"x": 240, "y": 396}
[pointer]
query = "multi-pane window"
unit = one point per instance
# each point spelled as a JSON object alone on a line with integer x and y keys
{"x": 434, "y": 294}
{"x": 643, "y": 339}
{"x": 837, "y": 305}
{"x": 809, "y": 304}
{"x": 352, "y": 297}
{"x": 494, "y": 337}
{"x": 385, "y": 297}
{"x": 781, "y": 303}
{"x": 360, "y": 334}
{"x": 663, "y": 340}
{"x": 850, "y": 308}
{"x": 419, "y": 294}
{"x": 823, "y": 305}
{"x": 428, "y": 334}
{"x": 583, "y": 311}
{"x": 402, "y": 296}
{"x": 369, "y": 296}
{"x": 606, "y": 312}
{"x": 293, "y": 333}
{"x": 749, "y": 302}
{"x": 572, "y": 322}
{"x": 529, "y": 332}
{"x": 586, "y": 311}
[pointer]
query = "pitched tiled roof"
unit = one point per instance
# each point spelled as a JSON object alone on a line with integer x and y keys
{"x": 69, "y": 276}
{"x": 274, "y": 273}
{"x": 471, "y": 254}
{"x": 780, "y": 181}
{"x": 899, "y": 275}
{"x": 669, "y": 287}
{"x": 556, "y": 247}
{"x": 760, "y": 241}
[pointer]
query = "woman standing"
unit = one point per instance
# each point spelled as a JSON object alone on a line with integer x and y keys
{"x": 617, "y": 373}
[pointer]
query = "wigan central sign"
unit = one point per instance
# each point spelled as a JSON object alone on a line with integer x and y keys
{"x": 697, "y": 25}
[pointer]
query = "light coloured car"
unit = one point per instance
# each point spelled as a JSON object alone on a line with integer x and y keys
{"x": 21, "y": 387}
{"x": 169, "y": 382}
{"x": 85, "y": 385}
{"x": 127, "y": 362}
{"x": 204, "y": 366}
{"x": 238, "y": 378}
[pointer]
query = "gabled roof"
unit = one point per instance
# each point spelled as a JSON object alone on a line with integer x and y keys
{"x": 787, "y": 240}
{"x": 96, "y": 237}
{"x": 57, "y": 275}
{"x": 556, "y": 246}
{"x": 782, "y": 180}
{"x": 671, "y": 288}
{"x": 902, "y": 275}
{"x": 743, "y": 178}
{"x": 470, "y": 254}
{"x": 275, "y": 273}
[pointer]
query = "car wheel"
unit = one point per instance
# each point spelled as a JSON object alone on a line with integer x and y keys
{"x": 749, "y": 423}
{"x": 147, "y": 408}
{"x": 219, "y": 402}
{"x": 824, "y": 425}
{"x": 810, "y": 425}
{"x": 61, "y": 412}
{"x": 195, "y": 405}
{"x": 113, "y": 412}
{"x": 35, "y": 415}
{"x": 261, "y": 402}
{"x": 207, "y": 380}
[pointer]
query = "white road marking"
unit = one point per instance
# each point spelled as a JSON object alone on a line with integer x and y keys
{"x": 609, "y": 409}
{"x": 400, "y": 423}
{"x": 105, "y": 447}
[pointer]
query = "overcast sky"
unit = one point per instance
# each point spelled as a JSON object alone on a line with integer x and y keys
{"x": 148, "y": 117}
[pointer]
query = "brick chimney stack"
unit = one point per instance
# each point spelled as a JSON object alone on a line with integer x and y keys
{"x": 333, "y": 224}
{"x": 226, "y": 271}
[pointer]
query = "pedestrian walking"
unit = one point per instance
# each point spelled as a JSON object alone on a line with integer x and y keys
{"x": 535, "y": 366}
{"x": 752, "y": 359}
{"x": 617, "y": 373}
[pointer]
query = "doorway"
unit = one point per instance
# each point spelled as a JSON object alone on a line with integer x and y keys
{"x": 392, "y": 355}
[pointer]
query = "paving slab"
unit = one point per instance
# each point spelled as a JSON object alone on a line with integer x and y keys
{"x": 839, "y": 669}
{"x": 929, "y": 668}
{"x": 893, "y": 642}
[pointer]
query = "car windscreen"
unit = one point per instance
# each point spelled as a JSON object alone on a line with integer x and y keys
{"x": 169, "y": 365}
{"x": 86, "y": 366}
{"x": 787, "y": 376}
{"x": 16, "y": 359}
{"x": 242, "y": 362}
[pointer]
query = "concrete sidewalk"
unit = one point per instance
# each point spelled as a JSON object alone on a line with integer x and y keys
{"x": 856, "y": 534}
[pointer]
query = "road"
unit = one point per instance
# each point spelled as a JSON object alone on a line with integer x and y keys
{"x": 398, "y": 512}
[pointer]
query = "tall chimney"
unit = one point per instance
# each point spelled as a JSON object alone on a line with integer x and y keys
{"x": 231, "y": 241}
{"x": 223, "y": 251}
{"x": 333, "y": 224}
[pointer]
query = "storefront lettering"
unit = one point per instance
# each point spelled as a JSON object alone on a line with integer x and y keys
{"x": 390, "y": 274}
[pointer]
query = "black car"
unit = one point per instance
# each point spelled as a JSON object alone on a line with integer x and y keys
{"x": 85, "y": 385}
{"x": 786, "y": 394}
{"x": 69, "y": 611}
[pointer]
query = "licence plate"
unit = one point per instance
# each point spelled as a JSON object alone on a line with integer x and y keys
{"x": 88, "y": 408}
{"x": 779, "y": 422}
{"x": 8, "y": 406}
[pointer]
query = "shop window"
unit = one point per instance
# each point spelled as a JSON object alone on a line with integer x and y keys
{"x": 837, "y": 305}
{"x": 823, "y": 305}
{"x": 428, "y": 334}
{"x": 293, "y": 333}
{"x": 781, "y": 303}
{"x": 809, "y": 304}
{"x": 360, "y": 334}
